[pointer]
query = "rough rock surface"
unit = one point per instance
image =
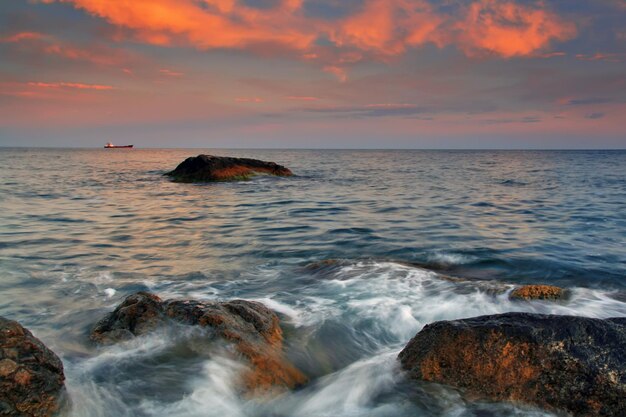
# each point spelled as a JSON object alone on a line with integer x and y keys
{"x": 538, "y": 292}
{"x": 574, "y": 364}
{"x": 323, "y": 264}
{"x": 204, "y": 168}
{"x": 31, "y": 375}
{"x": 251, "y": 327}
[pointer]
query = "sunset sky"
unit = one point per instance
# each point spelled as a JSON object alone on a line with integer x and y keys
{"x": 313, "y": 73}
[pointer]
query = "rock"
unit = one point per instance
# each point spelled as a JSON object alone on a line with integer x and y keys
{"x": 31, "y": 375}
{"x": 251, "y": 327}
{"x": 538, "y": 292}
{"x": 204, "y": 168}
{"x": 323, "y": 264}
{"x": 137, "y": 315}
{"x": 574, "y": 364}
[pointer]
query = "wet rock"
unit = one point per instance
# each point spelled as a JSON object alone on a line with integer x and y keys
{"x": 538, "y": 292}
{"x": 205, "y": 168}
{"x": 31, "y": 375}
{"x": 252, "y": 328}
{"x": 323, "y": 264}
{"x": 574, "y": 364}
{"x": 137, "y": 315}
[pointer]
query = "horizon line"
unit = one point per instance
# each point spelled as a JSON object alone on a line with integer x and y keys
{"x": 317, "y": 149}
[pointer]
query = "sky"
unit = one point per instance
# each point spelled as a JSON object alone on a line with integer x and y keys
{"x": 314, "y": 73}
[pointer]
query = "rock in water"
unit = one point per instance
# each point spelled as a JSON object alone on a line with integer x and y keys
{"x": 251, "y": 327}
{"x": 204, "y": 168}
{"x": 31, "y": 375}
{"x": 568, "y": 363}
{"x": 538, "y": 292}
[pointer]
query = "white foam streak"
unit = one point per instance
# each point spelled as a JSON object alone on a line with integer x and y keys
{"x": 350, "y": 391}
{"x": 90, "y": 399}
{"x": 282, "y": 308}
{"x": 214, "y": 393}
{"x": 444, "y": 258}
{"x": 400, "y": 300}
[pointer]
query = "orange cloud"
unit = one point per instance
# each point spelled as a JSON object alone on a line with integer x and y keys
{"x": 49, "y": 45}
{"x": 171, "y": 73}
{"x": 378, "y": 29}
{"x": 56, "y": 91}
{"x": 205, "y": 24}
{"x": 79, "y": 86}
{"x": 79, "y": 54}
{"x": 509, "y": 29}
{"x": 21, "y": 36}
{"x": 387, "y": 27}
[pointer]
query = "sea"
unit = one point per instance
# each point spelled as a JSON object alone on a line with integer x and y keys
{"x": 356, "y": 253}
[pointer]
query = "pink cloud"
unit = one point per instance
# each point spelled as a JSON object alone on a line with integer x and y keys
{"x": 339, "y": 72}
{"x": 171, "y": 73}
{"x": 21, "y": 36}
{"x": 80, "y": 86}
{"x": 609, "y": 57}
{"x": 249, "y": 100}
{"x": 392, "y": 106}
{"x": 49, "y": 45}
{"x": 302, "y": 98}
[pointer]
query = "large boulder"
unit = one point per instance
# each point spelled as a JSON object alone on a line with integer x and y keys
{"x": 574, "y": 364}
{"x": 253, "y": 329}
{"x": 31, "y": 375}
{"x": 205, "y": 168}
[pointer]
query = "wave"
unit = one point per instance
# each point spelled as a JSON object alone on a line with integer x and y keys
{"x": 513, "y": 183}
{"x": 450, "y": 258}
{"x": 344, "y": 325}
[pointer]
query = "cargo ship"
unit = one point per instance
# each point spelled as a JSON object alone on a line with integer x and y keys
{"x": 109, "y": 145}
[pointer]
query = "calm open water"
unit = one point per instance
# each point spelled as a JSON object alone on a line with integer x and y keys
{"x": 82, "y": 229}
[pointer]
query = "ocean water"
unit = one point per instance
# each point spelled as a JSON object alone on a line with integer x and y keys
{"x": 82, "y": 229}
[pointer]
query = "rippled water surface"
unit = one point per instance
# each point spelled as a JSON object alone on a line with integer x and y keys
{"x": 81, "y": 229}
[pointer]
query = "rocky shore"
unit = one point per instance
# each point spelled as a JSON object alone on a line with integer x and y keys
{"x": 208, "y": 168}
{"x": 567, "y": 364}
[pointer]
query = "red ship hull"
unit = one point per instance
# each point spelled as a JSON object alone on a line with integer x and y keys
{"x": 118, "y": 146}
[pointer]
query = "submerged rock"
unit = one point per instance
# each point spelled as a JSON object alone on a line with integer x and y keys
{"x": 204, "y": 168}
{"x": 323, "y": 264}
{"x": 568, "y": 363}
{"x": 251, "y": 327}
{"x": 538, "y": 292}
{"x": 31, "y": 375}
